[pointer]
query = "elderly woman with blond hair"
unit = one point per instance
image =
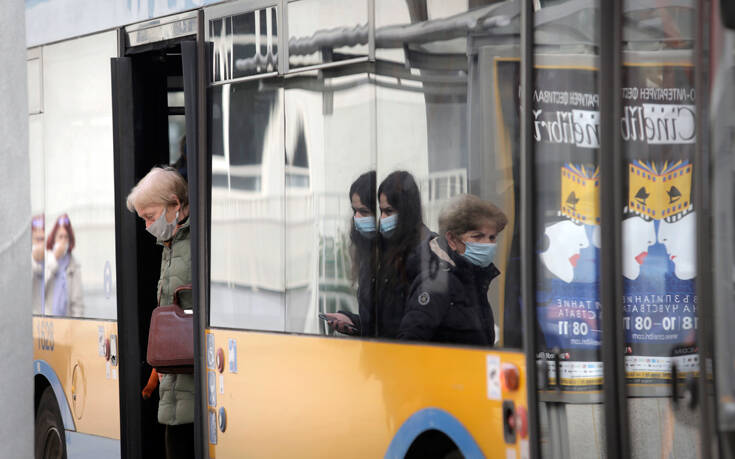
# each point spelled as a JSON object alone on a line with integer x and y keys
{"x": 161, "y": 199}
{"x": 448, "y": 300}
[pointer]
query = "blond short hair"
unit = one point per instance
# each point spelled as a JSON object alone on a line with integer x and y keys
{"x": 158, "y": 187}
{"x": 466, "y": 212}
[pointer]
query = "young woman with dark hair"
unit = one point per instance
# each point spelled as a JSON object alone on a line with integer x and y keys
{"x": 403, "y": 249}
{"x": 363, "y": 238}
{"x": 63, "y": 289}
{"x": 401, "y": 246}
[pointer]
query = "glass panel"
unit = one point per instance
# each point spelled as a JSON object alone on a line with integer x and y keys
{"x": 659, "y": 231}
{"x": 38, "y": 234}
{"x": 326, "y": 31}
{"x": 177, "y": 141}
{"x": 565, "y": 127}
{"x": 723, "y": 221}
{"x": 37, "y": 182}
{"x": 35, "y": 100}
{"x": 247, "y": 253}
{"x": 79, "y": 191}
{"x": 329, "y": 144}
{"x": 176, "y": 99}
{"x": 244, "y": 44}
{"x": 433, "y": 113}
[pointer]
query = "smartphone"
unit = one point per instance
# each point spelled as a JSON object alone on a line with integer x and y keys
{"x": 324, "y": 317}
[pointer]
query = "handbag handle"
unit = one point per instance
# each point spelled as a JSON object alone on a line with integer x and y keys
{"x": 178, "y": 289}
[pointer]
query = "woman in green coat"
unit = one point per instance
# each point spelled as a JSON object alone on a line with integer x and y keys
{"x": 161, "y": 199}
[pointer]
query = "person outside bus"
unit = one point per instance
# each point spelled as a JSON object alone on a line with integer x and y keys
{"x": 402, "y": 235}
{"x": 448, "y": 300}
{"x": 161, "y": 200}
{"x": 38, "y": 249}
{"x": 363, "y": 250}
{"x": 63, "y": 275}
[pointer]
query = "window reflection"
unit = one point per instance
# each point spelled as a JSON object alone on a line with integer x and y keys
{"x": 329, "y": 142}
{"x": 247, "y": 267}
{"x": 418, "y": 129}
{"x": 38, "y": 251}
{"x": 79, "y": 187}
{"x": 326, "y": 31}
{"x": 244, "y": 44}
{"x": 62, "y": 272}
{"x": 659, "y": 235}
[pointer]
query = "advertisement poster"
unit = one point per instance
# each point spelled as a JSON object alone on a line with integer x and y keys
{"x": 565, "y": 127}
{"x": 659, "y": 238}
{"x": 659, "y": 302}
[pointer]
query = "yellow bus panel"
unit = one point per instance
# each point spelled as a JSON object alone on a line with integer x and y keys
{"x": 75, "y": 350}
{"x": 308, "y": 396}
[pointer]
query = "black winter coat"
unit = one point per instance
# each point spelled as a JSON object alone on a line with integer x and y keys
{"x": 381, "y": 297}
{"x": 448, "y": 301}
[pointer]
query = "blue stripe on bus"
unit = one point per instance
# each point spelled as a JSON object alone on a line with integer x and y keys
{"x": 436, "y": 419}
{"x": 41, "y": 367}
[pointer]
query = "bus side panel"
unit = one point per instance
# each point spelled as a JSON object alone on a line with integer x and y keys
{"x": 301, "y": 396}
{"x": 74, "y": 349}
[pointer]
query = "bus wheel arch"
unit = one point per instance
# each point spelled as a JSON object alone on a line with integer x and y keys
{"x": 433, "y": 443}
{"x": 45, "y": 376}
{"x": 39, "y": 385}
{"x": 49, "y": 433}
{"x": 431, "y": 428}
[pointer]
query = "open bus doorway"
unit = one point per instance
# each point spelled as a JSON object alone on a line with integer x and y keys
{"x": 150, "y": 130}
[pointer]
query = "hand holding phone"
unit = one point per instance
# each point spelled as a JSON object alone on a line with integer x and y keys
{"x": 339, "y": 322}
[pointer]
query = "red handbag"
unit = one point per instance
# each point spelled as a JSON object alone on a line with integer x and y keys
{"x": 171, "y": 338}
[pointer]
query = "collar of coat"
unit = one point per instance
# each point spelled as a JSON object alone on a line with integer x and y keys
{"x": 441, "y": 249}
{"x": 181, "y": 229}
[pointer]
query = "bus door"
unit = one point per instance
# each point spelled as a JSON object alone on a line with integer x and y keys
{"x": 616, "y": 223}
{"x": 155, "y": 124}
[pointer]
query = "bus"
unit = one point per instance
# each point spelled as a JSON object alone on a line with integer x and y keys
{"x": 600, "y": 128}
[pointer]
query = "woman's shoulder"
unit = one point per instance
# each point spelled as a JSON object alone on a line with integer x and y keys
{"x": 73, "y": 263}
{"x": 437, "y": 269}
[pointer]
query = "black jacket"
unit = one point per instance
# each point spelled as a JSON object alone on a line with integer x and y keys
{"x": 381, "y": 294}
{"x": 448, "y": 301}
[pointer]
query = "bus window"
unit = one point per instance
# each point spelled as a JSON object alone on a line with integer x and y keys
{"x": 244, "y": 44}
{"x": 37, "y": 183}
{"x": 565, "y": 126}
{"x": 329, "y": 145}
{"x": 660, "y": 318}
{"x": 246, "y": 141}
{"x": 723, "y": 227}
{"x": 79, "y": 192}
{"x": 440, "y": 119}
{"x": 177, "y": 129}
{"x": 313, "y": 23}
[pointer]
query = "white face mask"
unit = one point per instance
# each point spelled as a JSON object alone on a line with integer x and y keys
{"x": 161, "y": 228}
{"x": 66, "y": 247}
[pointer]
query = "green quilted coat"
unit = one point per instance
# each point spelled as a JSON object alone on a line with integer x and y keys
{"x": 176, "y": 405}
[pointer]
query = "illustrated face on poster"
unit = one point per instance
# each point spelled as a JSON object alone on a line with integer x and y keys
{"x": 638, "y": 236}
{"x": 566, "y": 240}
{"x": 679, "y": 238}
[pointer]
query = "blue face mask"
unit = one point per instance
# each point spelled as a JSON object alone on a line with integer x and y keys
{"x": 479, "y": 253}
{"x": 366, "y": 226}
{"x": 388, "y": 224}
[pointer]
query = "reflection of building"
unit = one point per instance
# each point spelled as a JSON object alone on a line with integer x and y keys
{"x": 437, "y": 189}
{"x": 286, "y": 150}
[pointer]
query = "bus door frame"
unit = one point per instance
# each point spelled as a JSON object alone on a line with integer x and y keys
{"x": 617, "y": 425}
{"x": 186, "y": 30}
